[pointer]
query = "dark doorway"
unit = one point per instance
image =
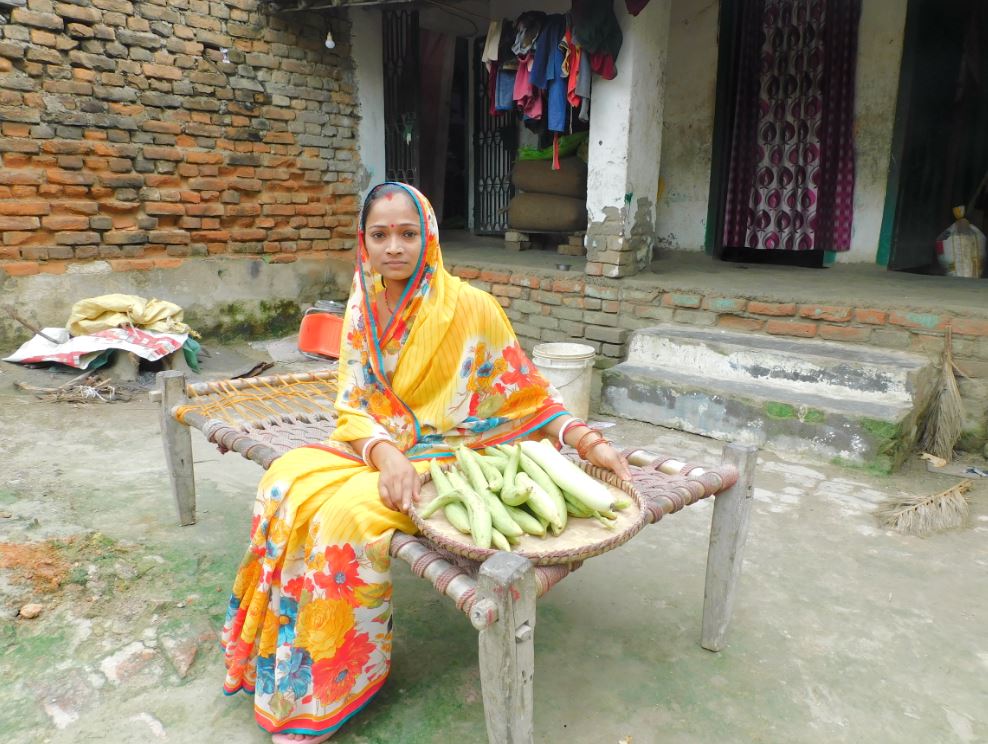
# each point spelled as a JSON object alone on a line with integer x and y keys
{"x": 940, "y": 147}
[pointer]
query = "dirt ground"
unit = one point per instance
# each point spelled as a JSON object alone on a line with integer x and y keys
{"x": 843, "y": 631}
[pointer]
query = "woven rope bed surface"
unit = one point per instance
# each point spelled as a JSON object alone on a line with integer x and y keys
{"x": 264, "y": 417}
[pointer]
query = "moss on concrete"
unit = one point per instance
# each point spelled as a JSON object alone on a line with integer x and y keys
{"x": 882, "y": 429}
{"x": 239, "y": 321}
{"x": 780, "y": 410}
{"x": 880, "y": 465}
{"x": 814, "y": 416}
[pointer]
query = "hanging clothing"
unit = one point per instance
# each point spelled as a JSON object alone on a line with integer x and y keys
{"x": 526, "y": 95}
{"x": 528, "y": 26}
{"x": 308, "y": 629}
{"x": 504, "y": 90}
{"x": 595, "y": 27}
{"x": 791, "y": 166}
{"x": 547, "y": 72}
{"x": 490, "y": 54}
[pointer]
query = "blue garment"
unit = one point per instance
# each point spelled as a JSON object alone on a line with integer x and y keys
{"x": 547, "y": 71}
{"x": 504, "y": 90}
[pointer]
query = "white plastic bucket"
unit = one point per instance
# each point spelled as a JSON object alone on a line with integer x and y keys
{"x": 569, "y": 367}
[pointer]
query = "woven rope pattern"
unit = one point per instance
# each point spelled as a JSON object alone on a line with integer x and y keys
{"x": 264, "y": 402}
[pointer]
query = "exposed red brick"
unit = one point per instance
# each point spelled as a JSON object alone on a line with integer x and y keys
{"x": 523, "y": 280}
{"x": 970, "y": 326}
{"x": 466, "y": 272}
{"x": 771, "y": 308}
{"x": 802, "y": 329}
{"x": 833, "y": 313}
{"x": 65, "y": 222}
{"x": 844, "y": 333}
{"x": 19, "y": 223}
{"x": 567, "y": 285}
{"x": 24, "y": 208}
{"x": 131, "y": 264}
{"x": 21, "y": 268}
{"x": 870, "y": 315}
{"x": 501, "y": 277}
{"x": 919, "y": 320}
{"x": 734, "y": 323}
{"x": 168, "y": 263}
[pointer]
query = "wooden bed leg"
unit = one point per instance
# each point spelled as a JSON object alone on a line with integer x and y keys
{"x": 728, "y": 532}
{"x": 177, "y": 440}
{"x": 507, "y": 648}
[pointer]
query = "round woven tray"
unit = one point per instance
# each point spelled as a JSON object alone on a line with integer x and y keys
{"x": 582, "y": 538}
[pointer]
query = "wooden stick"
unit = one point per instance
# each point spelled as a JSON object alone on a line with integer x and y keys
{"x": 178, "y": 446}
{"x": 33, "y": 328}
{"x": 728, "y": 533}
{"x": 507, "y": 648}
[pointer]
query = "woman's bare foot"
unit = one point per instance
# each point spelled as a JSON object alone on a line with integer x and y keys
{"x": 300, "y": 738}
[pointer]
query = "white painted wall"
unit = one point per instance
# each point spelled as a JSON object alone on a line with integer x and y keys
{"x": 880, "y": 38}
{"x": 626, "y": 115}
{"x": 689, "y": 119}
{"x": 368, "y": 63}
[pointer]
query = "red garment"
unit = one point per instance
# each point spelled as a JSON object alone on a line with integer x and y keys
{"x": 527, "y": 96}
{"x": 573, "y": 63}
{"x": 492, "y": 87}
{"x": 635, "y": 6}
{"x": 603, "y": 64}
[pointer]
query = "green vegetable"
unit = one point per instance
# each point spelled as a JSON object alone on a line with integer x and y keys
{"x": 458, "y": 516}
{"x": 471, "y": 468}
{"x": 542, "y": 504}
{"x": 500, "y": 541}
{"x": 511, "y": 494}
{"x": 491, "y": 473}
{"x": 568, "y": 476}
{"x": 499, "y": 515}
{"x": 480, "y": 516}
{"x": 526, "y": 521}
{"x": 545, "y": 482}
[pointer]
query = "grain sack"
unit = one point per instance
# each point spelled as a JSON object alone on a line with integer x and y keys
{"x": 538, "y": 176}
{"x": 547, "y": 213}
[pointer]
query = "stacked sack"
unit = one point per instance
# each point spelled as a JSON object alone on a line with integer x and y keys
{"x": 549, "y": 200}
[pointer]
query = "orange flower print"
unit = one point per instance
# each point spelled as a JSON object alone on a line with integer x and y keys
{"x": 332, "y": 679}
{"x": 339, "y": 579}
{"x": 521, "y": 368}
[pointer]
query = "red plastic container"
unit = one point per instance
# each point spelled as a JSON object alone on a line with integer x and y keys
{"x": 320, "y": 334}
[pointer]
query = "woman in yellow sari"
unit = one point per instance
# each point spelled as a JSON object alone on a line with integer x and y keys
{"x": 427, "y": 363}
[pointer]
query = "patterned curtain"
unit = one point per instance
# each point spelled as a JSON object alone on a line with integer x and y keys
{"x": 791, "y": 173}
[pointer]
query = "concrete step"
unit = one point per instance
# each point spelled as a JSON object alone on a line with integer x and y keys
{"x": 827, "y": 401}
{"x": 801, "y": 365}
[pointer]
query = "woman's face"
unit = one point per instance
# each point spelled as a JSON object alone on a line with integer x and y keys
{"x": 393, "y": 236}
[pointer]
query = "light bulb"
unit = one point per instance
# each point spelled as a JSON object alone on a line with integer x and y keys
{"x": 330, "y": 42}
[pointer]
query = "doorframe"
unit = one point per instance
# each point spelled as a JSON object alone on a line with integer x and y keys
{"x": 900, "y": 128}
{"x": 727, "y": 22}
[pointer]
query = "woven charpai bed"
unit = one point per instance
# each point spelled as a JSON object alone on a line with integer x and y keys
{"x": 261, "y": 418}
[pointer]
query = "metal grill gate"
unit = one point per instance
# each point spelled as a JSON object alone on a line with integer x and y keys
{"x": 400, "y": 30}
{"x": 492, "y": 160}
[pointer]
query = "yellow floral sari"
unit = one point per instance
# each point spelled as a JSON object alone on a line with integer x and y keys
{"x": 308, "y": 627}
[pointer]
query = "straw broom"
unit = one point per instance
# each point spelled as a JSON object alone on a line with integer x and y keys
{"x": 920, "y": 515}
{"x": 944, "y": 422}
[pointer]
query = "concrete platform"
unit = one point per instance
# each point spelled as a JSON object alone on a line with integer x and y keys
{"x": 836, "y": 402}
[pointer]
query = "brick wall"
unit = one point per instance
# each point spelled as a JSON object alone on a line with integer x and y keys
{"x": 143, "y": 133}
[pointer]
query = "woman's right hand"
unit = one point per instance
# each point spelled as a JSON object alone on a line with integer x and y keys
{"x": 399, "y": 481}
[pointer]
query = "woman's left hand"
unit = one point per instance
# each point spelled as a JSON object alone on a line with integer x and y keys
{"x": 605, "y": 456}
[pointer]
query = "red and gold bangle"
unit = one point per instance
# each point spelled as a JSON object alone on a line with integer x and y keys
{"x": 579, "y": 444}
{"x": 583, "y": 455}
{"x": 562, "y": 432}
